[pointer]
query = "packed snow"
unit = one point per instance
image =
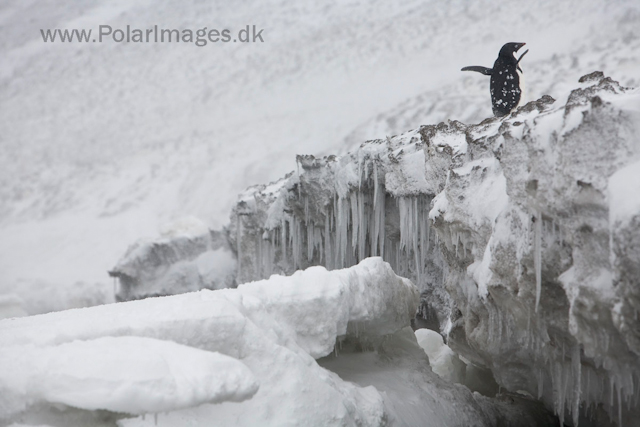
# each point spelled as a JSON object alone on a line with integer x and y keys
{"x": 163, "y": 354}
{"x": 134, "y": 375}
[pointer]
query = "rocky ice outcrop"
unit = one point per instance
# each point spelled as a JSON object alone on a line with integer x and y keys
{"x": 521, "y": 233}
{"x": 186, "y": 257}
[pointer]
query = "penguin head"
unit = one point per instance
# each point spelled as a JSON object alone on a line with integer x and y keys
{"x": 509, "y": 50}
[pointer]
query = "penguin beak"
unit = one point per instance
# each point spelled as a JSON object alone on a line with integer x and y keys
{"x": 520, "y": 46}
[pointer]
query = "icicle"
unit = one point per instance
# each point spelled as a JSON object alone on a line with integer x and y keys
{"x": 320, "y": 245}
{"x": 560, "y": 390}
{"x": 299, "y": 180}
{"x": 327, "y": 240}
{"x": 576, "y": 371}
{"x": 375, "y": 183}
{"x": 380, "y": 208}
{"x": 355, "y": 219}
{"x": 619, "y": 407}
{"x": 311, "y": 243}
{"x": 528, "y": 328}
{"x": 610, "y": 393}
{"x": 293, "y": 241}
{"x": 540, "y": 383}
{"x": 499, "y": 327}
{"x": 588, "y": 389}
{"x": 416, "y": 227}
{"x": 428, "y": 229}
{"x": 538, "y": 256}
{"x": 362, "y": 227}
{"x": 239, "y": 241}
{"x": 284, "y": 243}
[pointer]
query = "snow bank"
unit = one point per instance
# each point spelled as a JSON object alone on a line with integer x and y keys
{"x": 128, "y": 374}
{"x": 342, "y": 298}
{"x": 267, "y": 332}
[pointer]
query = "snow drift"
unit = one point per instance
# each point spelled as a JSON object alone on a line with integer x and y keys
{"x": 163, "y": 354}
{"x": 127, "y": 374}
{"x": 521, "y": 234}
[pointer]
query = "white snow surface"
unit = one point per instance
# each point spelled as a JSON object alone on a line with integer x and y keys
{"x": 129, "y": 374}
{"x": 112, "y": 356}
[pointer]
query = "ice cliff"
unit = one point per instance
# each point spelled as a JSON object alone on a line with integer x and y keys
{"x": 521, "y": 233}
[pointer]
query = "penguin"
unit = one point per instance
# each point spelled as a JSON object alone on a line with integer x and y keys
{"x": 507, "y": 83}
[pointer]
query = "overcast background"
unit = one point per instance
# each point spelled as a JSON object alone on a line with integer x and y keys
{"x": 103, "y": 143}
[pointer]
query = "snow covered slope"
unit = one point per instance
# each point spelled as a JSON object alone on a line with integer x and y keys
{"x": 520, "y": 232}
{"x": 104, "y": 143}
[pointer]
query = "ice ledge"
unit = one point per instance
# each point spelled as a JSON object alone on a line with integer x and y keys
{"x": 515, "y": 202}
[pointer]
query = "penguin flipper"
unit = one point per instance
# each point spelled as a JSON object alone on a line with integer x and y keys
{"x": 482, "y": 70}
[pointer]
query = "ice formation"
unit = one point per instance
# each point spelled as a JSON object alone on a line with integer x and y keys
{"x": 161, "y": 354}
{"x": 520, "y": 233}
{"x": 187, "y": 256}
{"x": 442, "y": 359}
{"x": 244, "y": 356}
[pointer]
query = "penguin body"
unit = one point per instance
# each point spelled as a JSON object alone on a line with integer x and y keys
{"x": 506, "y": 79}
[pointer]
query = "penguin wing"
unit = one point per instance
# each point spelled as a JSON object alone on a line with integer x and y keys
{"x": 482, "y": 70}
{"x": 520, "y": 59}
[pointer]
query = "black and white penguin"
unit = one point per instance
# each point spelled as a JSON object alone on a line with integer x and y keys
{"x": 507, "y": 83}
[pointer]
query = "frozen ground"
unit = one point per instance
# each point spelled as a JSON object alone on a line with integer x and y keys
{"x": 104, "y": 143}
